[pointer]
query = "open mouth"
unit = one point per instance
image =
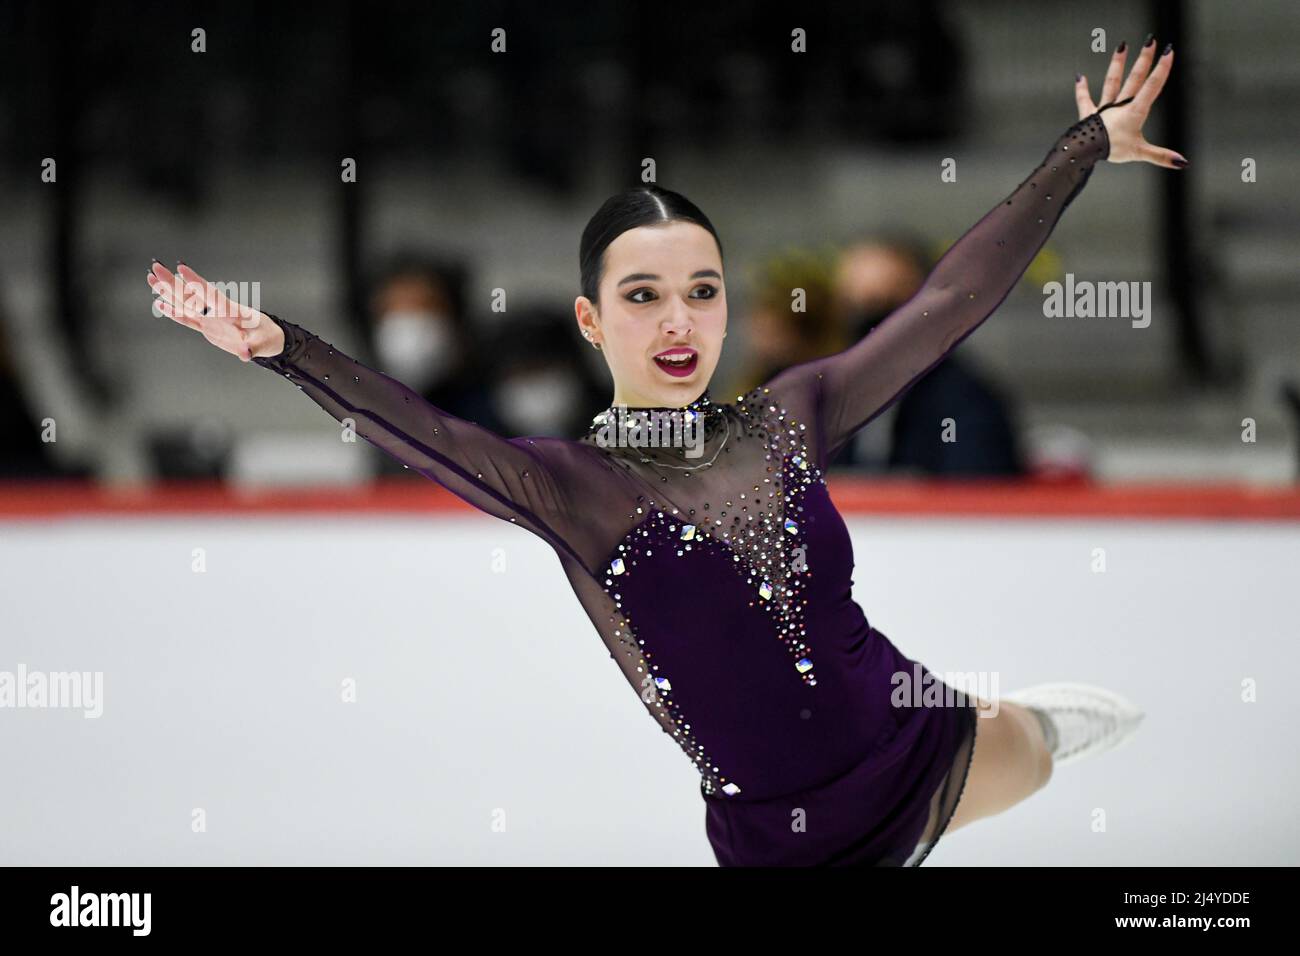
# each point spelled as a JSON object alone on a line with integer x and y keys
{"x": 678, "y": 362}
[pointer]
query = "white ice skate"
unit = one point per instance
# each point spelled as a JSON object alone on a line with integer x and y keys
{"x": 1089, "y": 720}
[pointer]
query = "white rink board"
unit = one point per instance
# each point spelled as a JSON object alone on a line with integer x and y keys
{"x": 485, "y": 694}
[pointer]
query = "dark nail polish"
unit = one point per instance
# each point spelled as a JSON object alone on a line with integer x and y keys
{"x": 1165, "y": 51}
{"x": 1181, "y": 163}
{"x": 1078, "y": 77}
{"x": 1123, "y": 45}
{"x": 1151, "y": 38}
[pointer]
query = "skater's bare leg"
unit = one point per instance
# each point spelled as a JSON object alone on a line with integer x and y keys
{"x": 1011, "y": 762}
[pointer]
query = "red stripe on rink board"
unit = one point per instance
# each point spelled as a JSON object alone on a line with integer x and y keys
{"x": 852, "y": 495}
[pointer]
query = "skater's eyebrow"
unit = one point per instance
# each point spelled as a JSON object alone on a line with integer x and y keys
{"x": 643, "y": 276}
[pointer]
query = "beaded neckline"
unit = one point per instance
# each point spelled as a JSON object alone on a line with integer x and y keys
{"x": 704, "y": 407}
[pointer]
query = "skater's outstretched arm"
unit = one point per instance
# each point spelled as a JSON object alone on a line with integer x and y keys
{"x": 843, "y": 392}
{"x": 522, "y": 480}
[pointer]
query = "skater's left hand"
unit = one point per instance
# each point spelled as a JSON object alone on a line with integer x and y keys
{"x": 1124, "y": 123}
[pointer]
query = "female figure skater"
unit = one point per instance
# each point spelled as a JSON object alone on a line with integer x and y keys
{"x": 707, "y": 552}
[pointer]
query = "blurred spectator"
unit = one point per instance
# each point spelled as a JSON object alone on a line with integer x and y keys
{"x": 872, "y": 278}
{"x": 23, "y": 454}
{"x": 422, "y": 335}
{"x": 540, "y": 384}
{"x": 1291, "y": 398}
{"x": 791, "y": 319}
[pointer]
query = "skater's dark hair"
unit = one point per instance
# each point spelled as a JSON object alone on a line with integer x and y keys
{"x": 645, "y": 205}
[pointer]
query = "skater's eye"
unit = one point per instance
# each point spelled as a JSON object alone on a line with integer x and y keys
{"x": 709, "y": 292}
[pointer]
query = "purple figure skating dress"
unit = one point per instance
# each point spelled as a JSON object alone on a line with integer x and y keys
{"x": 719, "y": 573}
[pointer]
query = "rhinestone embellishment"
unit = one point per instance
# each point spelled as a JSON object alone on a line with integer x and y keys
{"x": 757, "y": 530}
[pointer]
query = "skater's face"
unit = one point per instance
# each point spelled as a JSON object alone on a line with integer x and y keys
{"x": 661, "y": 294}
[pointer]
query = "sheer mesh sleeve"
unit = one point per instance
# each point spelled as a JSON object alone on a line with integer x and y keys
{"x": 843, "y": 392}
{"x": 527, "y": 481}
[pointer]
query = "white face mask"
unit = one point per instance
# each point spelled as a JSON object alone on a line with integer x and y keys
{"x": 415, "y": 347}
{"x": 537, "y": 403}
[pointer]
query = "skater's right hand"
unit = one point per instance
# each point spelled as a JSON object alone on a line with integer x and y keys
{"x": 191, "y": 300}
